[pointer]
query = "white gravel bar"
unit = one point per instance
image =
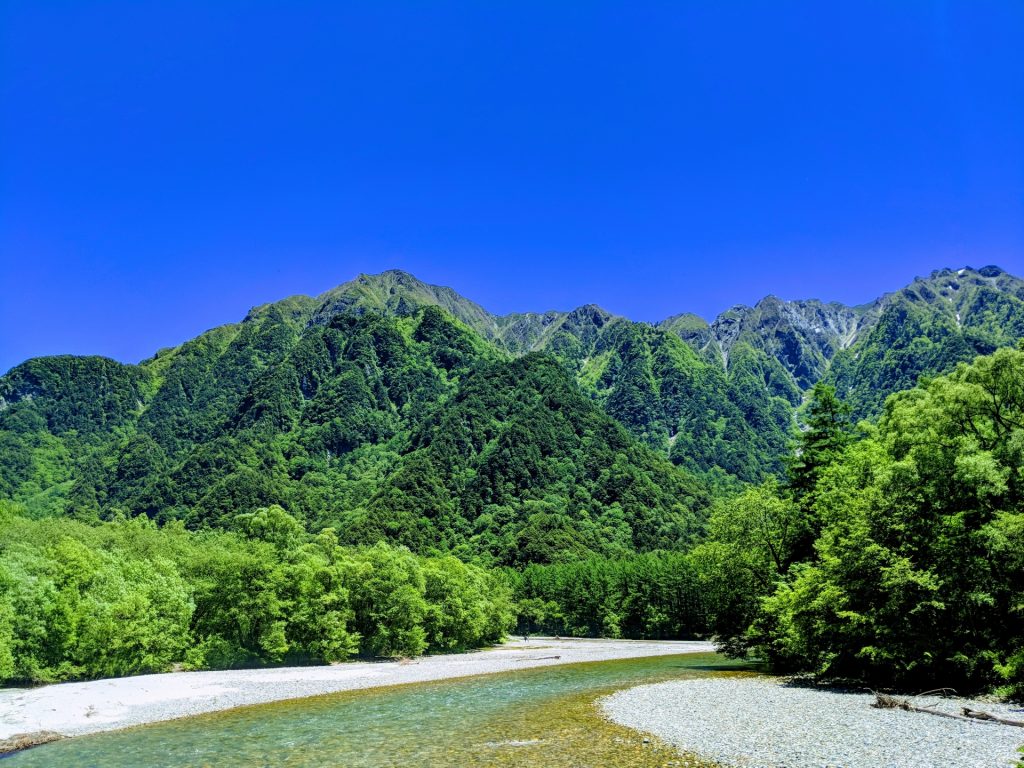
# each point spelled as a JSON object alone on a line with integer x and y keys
{"x": 73, "y": 709}
{"x": 765, "y": 723}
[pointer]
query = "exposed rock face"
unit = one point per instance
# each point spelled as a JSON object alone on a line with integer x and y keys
{"x": 802, "y": 335}
{"x": 399, "y": 293}
{"x": 806, "y": 336}
{"x": 531, "y": 331}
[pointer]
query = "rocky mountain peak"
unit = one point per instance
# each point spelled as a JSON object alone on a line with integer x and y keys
{"x": 399, "y": 293}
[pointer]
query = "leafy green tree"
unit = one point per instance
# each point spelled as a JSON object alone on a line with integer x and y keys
{"x": 918, "y": 570}
{"x": 753, "y": 540}
{"x": 387, "y": 589}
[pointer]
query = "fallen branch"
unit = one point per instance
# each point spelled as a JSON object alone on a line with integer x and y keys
{"x": 537, "y": 658}
{"x": 885, "y": 701}
{"x": 975, "y": 714}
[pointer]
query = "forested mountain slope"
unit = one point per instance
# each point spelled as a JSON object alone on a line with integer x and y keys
{"x": 925, "y": 330}
{"x": 261, "y": 483}
{"x": 413, "y": 429}
{"x": 675, "y": 399}
{"x": 390, "y": 408}
{"x": 870, "y": 351}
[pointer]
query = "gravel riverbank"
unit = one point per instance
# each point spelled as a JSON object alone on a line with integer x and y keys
{"x": 74, "y": 709}
{"x": 764, "y": 723}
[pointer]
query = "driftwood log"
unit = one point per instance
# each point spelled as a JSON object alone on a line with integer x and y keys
{"x": 885, "y": 701}
{"x": 975, "y": 714}
{"x": 537, "y": 658}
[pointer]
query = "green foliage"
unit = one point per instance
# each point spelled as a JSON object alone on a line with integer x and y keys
{"x": 827, "y": 434}
{"x": 466, "y": 606}
{"x": 86, "y": 601}
{"x": 76, "y": 610}
{"x": 753, "y": 539}
{"x": 653, "y": 595}
{"x": 918, "y": 571}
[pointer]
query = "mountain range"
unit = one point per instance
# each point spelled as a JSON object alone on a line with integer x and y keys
{"x": 980, "y": 307}
{"x": 391, "y": 408}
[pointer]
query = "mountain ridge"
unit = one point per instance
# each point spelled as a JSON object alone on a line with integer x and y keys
{"x": 355, "y": 371}
{"x": 803, "y": 335}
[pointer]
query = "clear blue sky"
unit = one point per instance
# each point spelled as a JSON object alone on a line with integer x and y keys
{"x": 165, "y": 166}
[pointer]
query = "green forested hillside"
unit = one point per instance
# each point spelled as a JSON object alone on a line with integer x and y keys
{"x": 736, "y": 422}
{"x": 412, "y": 429}
{"x": 926, "y": 329}
{"x": 573, "y": 472}
{"x": 345, "y": 406}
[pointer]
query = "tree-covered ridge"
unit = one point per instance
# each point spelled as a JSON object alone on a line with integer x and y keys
{"x": 705, "y": 418}
{"x": 867, "y": 352}
{"x": 56, "y": 413}
{"x": 181, "y": 435}
{"x": 870, "y": 351}
{"x": 736, "y": 422}
{"x": 398, "y": 293}
{"x": 927, "y": 329}
{"x": 749, "y": 420}
{"x": 412, "y": 429}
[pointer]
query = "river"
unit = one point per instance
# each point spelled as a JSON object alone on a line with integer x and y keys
{"x": 537, "y": 717}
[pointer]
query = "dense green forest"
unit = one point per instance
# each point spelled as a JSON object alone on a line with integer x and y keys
{"x": 915, "y": 568}
{"x": 388, "y": 469}
{"x": 127, "y": 596}
{"x": 412, "y": 429}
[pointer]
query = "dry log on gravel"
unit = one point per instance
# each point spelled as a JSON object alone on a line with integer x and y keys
{"x": 975, "y": 714}
{"x": 537, "y": 658}
{"x": 885, "y": 701}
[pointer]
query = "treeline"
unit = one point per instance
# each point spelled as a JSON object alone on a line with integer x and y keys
{"x": 894, "y": 555}
{"x": 126, "y": 597}
{"x": 653, "y": 595}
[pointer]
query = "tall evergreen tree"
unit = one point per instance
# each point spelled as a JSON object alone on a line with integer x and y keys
{"x": 828, "y": 433}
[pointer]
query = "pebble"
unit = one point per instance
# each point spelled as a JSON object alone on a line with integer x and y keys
{"x": 767, "y": 723}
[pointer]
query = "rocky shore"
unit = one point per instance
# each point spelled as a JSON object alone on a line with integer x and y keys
{"x": 767, "y": 723}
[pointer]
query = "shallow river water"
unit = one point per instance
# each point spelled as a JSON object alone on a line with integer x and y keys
{"x": 537, "y": 717}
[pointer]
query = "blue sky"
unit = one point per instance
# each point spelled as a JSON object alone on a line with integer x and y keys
{"x": 165, "y": 166}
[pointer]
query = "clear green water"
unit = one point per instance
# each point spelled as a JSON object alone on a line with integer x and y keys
{"x": 538, "y": 717}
